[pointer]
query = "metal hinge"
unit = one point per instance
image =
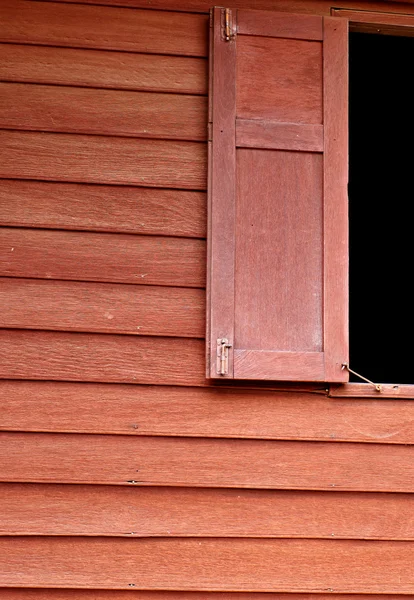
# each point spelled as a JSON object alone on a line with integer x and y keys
{"x": 229, "y": 33}
{"x": 223, "y": 346}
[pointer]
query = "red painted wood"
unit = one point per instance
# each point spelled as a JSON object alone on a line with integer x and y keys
{"x": 335, "y": 193}
{"x": 364, "y": 390}
{"x": 292, "y": 366}
{"x": 381, "y": 22}
{"x": 252, "y": 133}
{"x": 221, "y": 194}
{"x": 61, "y": 594}
{"x": 116, "y": 258}
{"x": 120, "y": 209}
{"x": 198, "y": 462}
{"x": 203, "y": 412}
{"x": 50, "y": 509}
{"x": 102, "y": 69}
{"x": 279, "y": 24}
{"x": 290, "y": 87}
{"x": 101, "y": 358}
{"x": 99, "y": 159}
{"x": 121, "y": 113}
{"x": 228, "y": 565}
{"x": 105, "y": 28}
{"x": 102, "y": 308}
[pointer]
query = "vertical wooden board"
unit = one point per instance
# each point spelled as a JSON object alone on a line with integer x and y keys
{"x": 93, "y": 68}
{"x": 125, "y": 209}
{"x": 221, "y": 195}
{"x": 100, "y": 159}
{"x": 336, "y": 198}
{"x": 100, "y": 357}
{"x": 102, "y": 308}
{"x": 227, "y": 565}
{"x": 288, "y": 74}
{"x": 102, "y": 27}
{"x": 197, "y": 462}
{"x": 279, "y": 251}
{"x": 121, "y": 113}
{"x": 114, "y": 258}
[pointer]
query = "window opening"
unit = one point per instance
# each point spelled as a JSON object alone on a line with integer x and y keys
{"x": 381, "y": 127}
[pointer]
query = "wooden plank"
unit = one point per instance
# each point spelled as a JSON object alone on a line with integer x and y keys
{"x": 101, "y": 358}
{"x": 200, "y": 462}
{"x": 121, "y": 113}
{"x": 103, "y": 69}
{"x": 279, "y": 25}
{"x": 118, "y": 258}
{"x": 99, "y": 159}
{"x": 215, "y": 564}
{"x": 178, "y": 512}
{"x": 61, "y": 594}
{"x": 104, "y": 28}
{"x": 101, "y": 308}
{"x": 292, "y": 366}
{"x": 335, "y": 205}
{"x": 123, "y": 209}
{"x": 251, "y": 133}
{"x": 290, "y": 87}
{"x": 221, "y": 195}
{"x": 363, "y": 390}
{"x": 381, "y": 22}
{"x": 208, "y": 412}
{"x": 322, "y": 7}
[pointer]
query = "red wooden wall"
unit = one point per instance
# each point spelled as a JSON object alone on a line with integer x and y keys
{"x": 123, "y": 471}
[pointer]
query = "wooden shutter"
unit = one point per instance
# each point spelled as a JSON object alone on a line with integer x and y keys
{"x": 278, "y": 257}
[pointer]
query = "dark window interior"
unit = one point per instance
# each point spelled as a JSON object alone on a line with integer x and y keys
{"x": 381, "y": 197}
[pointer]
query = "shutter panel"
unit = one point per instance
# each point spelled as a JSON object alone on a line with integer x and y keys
{"x": 278, "y": 255}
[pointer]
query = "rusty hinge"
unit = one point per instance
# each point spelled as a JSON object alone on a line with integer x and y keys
{"x": 229, "y": 33}
{"x": 223, "y": 346}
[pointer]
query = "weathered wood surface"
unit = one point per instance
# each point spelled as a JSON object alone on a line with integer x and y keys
{"x": 101, "y": 308}
{"x": 215, "y": 564}
{"x": 81, "y": 510}
{"x": 202, "y": 412}
{"x": 101, "y": 159}
{"x": 322, "y": 7}
{"x": 121, "y": 209}
{"x": 101, "y": 358}
{"x": 103, "y": 28}
{"x": 200, "y": 462}
{"x": 121, "y": 113}
{"x": 102, "y": 69}
{"x": 151, "y": 260}
{"x": 61, "y": 594}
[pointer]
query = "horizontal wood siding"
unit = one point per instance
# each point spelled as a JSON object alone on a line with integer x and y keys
{"x": 199, "y": 462}
{"x": 123, "y": 470}
{"x": 85, "y": 510}
{"x": 217, "y": 564}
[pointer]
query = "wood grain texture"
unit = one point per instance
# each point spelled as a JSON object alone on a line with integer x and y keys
{"x": 200, "y": 462}
{"x": 364, "y": 390}
{"x": 253, "y": 133}
{"x": 270, "y": 365}
{"x": 178, "y": 512}
{"x": 121, "y": 113}
{"x": 101, "y": 358}
{"x": 101, "y": 308}
{"x": 102, "y": 69}
{"x": 279, "y": 252}
{"x": 335, "y": 193}
{"x": 123, "y": 209}
{"x": 321, "y": 7}
{"x": 216, "y": 564}
{"x": 290, "y": 87}
{"x": 102, "y": 27}
{"x": 99, "y": 159}
{"x": 381, "y": 22}
{"x": 221, "y": 196}
{"x": 61, "y": 594}
{"x": 118, "y": 258}
{"x": 279, "y": 25}
{"x": 202, "y": 412}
